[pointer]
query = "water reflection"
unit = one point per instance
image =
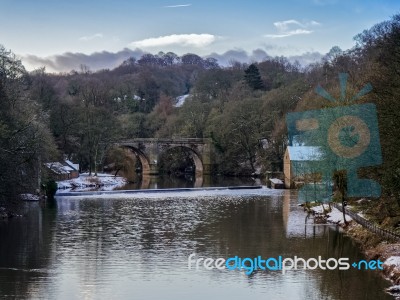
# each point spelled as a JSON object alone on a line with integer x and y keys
{"x": 137, "y": 248}
{"x": 26, "y": 246}
{"x": 188, "y": 181}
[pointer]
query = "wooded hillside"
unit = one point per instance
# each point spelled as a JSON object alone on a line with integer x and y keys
{"x": 241, "y": 108}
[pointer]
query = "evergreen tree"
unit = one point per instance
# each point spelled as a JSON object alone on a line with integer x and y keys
{"x": 253, "y": 77}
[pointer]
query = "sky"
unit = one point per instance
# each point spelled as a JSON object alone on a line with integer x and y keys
{"x": 61, "y": 35}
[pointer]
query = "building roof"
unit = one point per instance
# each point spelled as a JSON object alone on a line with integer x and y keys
{"x": 58, "y": 168}
{"x": 304, "y": 153}
{"x": 72, "y": 165}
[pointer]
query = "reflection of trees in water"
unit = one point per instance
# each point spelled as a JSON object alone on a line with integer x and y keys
{"x": 327, "y": 242}
{"x": 254, "y": 226}
{"x": 25, "y": 250}
{"x": 352, "y": 283}
{"x": 244, "y": 225}
{"x": 165, "y": 182}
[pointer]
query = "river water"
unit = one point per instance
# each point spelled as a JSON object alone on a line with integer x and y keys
{"x": 137, "y": 247}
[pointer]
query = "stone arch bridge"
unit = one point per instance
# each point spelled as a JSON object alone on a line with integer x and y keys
{"x": 150, "y": 150}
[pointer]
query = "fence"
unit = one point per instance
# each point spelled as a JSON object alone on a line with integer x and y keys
{"x": 369, "y": 225}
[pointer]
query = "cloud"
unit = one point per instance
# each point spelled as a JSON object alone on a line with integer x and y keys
{"x": 288, "y": 33}
{"x": 314, "y": 23}
{"x": 292, "y": 27}
{"x": 240, "y": 55}
{"x": 306, "y": 58}
{"x": 91, "y": 37}
{"x": 109, "y": 60}
{"x": 259, "y": 55}
{"x": 177, "y": 6}
{"x": 193, "y": 40}
{"x": 284, "y": 25}
{"x": 72, "y": 61}
{"x": 229, "y": 56}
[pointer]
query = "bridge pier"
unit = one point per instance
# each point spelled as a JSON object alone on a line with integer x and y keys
{"x": 207, "y": 169}
{"x": 153, "y": 169}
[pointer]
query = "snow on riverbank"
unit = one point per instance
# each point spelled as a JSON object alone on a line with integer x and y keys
{"x": 335, "y": 216}
{"x": 392, "y": 270}
{"x": 101, "y": 182}
{"x": 393, "y": 261}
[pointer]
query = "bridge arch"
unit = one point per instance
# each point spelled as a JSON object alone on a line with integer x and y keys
{"x": 149, "y": 152}
{"x": 144, "y": 161}
{"x": 194, "y": 156}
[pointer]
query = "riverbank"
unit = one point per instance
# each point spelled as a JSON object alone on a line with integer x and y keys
{"x": 376, "y": 247}
{"x": 372, "y": 245}
{"x": 100, "y": 182}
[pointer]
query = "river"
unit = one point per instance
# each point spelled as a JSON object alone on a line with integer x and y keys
{"x": 137, "y": 247}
